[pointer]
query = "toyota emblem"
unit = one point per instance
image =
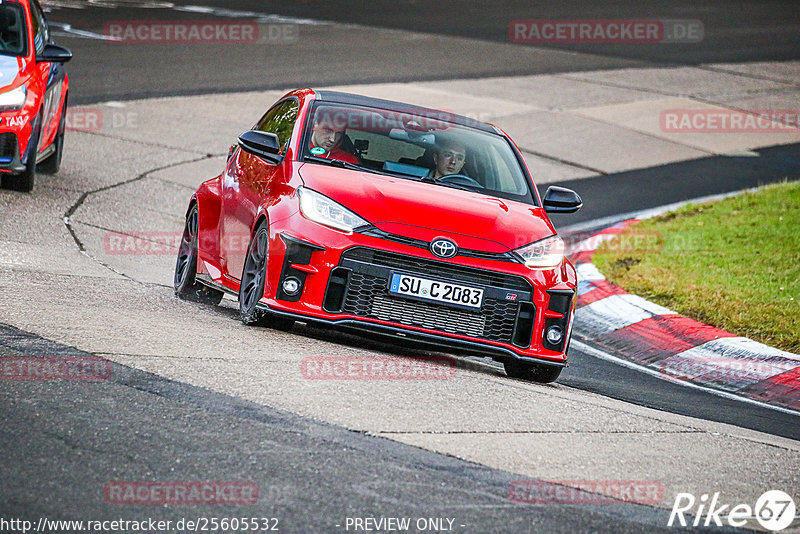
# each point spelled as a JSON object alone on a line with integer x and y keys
{"x": 443, "y": 248}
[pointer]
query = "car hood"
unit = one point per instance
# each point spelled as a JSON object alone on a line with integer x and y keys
{"x": 426, "y": 211}
{"x": 10, "y": 68}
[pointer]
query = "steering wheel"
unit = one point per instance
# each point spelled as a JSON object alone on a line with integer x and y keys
{"x": 460, "y": 179}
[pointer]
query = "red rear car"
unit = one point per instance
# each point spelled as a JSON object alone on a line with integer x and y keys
{"x": 33, "y": 95}
{"x": 366, "y": 213}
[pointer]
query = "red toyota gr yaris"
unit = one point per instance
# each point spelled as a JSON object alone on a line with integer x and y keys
{"x": 366, "y": 213}
{"x": 33, "y": 95}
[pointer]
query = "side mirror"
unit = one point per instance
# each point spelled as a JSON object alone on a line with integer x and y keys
{"x": 561, "y": 200}
{"x": 54, "y": 54}
{"x": 262, "y": 144}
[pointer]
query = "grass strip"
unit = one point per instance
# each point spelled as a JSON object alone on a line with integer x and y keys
{"x": 733, "y": 264}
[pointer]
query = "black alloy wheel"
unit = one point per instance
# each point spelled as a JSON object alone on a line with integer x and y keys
{"x": 186, "y": 285}
{"x": 254, "y": 275}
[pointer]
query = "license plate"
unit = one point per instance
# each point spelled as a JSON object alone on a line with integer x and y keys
{"x": 436, "y": 291}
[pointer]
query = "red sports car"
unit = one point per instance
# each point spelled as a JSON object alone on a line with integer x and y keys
{"x": 387, "y": 217}
{"x": 33, "y": 95}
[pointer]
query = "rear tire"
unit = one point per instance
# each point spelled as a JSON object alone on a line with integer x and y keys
{"x": 254, "y": 276}
{"x": 533, "y": 372}
{"x": 53, "y": 162}
{"x": 24, "y": 181}
{"x": 185, "y": 282}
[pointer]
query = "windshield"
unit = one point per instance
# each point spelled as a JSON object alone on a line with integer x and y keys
{"x": 12, "y": 30}
{"x": 421, "y": 148}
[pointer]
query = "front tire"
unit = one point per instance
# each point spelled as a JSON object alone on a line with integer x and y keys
{"x": 533, "y": 372}
{"x": 24, "y": 181}
{"x": 185, "y": 282}
{"x": 251, "y": 289}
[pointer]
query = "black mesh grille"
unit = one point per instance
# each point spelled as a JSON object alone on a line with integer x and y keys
{"x": 8, "y": 145}
{"x": 437, "y": 268}
{"x": 368, "y": 296}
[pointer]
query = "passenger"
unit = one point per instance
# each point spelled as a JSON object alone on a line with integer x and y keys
{"x": 327, "y": 135}
{"x": 449, "y": 158}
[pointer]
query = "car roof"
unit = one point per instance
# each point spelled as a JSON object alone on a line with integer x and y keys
{"x": 360, "y": 100}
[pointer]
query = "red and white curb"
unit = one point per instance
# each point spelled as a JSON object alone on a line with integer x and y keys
{"x": 673, "y": 346}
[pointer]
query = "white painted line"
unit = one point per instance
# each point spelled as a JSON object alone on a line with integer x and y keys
{"x": 587, "y": 272}
{"x": 235, "y": 13}
{"x": 66, "y": 30}
{"x": 742, "y": 347}
{"x": 617, "y": 311}
{"x": 597, "y": 353}
{"x": 731, "y": 362}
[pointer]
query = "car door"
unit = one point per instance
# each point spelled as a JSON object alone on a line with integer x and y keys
{"x": 247, "y": 184}
{"x": 50, "y": 77}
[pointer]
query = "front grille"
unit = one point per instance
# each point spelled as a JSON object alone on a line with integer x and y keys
{"x": 430, "y": 316}
{"x": 419, "y": 243}
{"x": 367, "y": 295}
{"x": 437, "y": 268}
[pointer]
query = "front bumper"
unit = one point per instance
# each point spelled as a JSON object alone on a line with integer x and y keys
{"x": 345, "y": 282}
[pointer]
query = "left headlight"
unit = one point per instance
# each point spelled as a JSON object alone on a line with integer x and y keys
{"x": 323, "y": 210}
{"x": 14, "y": 99}
{"x": 547, "y": 252}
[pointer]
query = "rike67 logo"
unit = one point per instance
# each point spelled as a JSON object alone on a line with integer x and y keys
{"x": 774, "y": 510}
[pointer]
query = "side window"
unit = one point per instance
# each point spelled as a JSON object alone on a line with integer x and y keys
{"x": 280, "y": 121}
{"x": 39, "y": 27}
{"x": 13, "y": 39}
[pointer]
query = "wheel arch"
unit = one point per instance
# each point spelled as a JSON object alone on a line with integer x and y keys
{"x": 209, "y": 210}
{"x": 261, "y": 216}
{"x": 36, "y": 130}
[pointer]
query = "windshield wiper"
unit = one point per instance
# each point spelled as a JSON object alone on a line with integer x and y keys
{"x": 458, "y": 186}
{"x": 333, "y": 162}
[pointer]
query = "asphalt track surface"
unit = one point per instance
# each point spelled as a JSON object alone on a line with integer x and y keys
{"x": 311, "y": 476}
{"x": 316, "y": 474}
{"x": 750, "y": 30}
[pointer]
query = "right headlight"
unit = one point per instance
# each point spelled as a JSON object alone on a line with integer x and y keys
{"x": 14, "y": 99}
{"x": 547, "y": 252}
{"x": 321, "y": 209}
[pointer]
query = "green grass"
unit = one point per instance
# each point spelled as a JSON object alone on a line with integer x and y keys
{"x": 733, "y": 264}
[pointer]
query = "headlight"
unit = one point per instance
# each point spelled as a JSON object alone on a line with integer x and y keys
{"x": 546, "y": 252}
{"x": 14, "y": 99}
{"x": 323, "y": 210}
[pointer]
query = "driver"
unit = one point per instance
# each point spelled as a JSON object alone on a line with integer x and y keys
{"x": 448, "y": 159}
{"x": 327, "y": 134}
